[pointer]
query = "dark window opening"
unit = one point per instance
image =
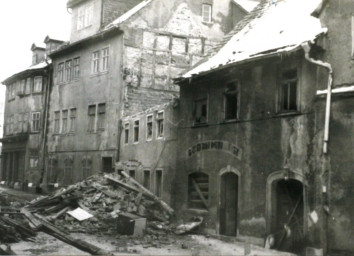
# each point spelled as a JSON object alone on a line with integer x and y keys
{"x": 132, "y": 173}
{"x": 126, "y": 133}
{"x": 200, "y": 110}
{"x": 231, "y": 102}
{"x": 146, "y": 182}
{"x": 149, "y": 128}
{"x": 136, "y": 131}
{"x": 198, "y": 190}
{"x": 158, "y": 183}
{"x": 92, "y": 115}
{"x": 288, "y": 91}
{"x": 159, "y": 120}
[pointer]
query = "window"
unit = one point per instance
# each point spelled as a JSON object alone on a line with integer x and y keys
{"x": 146, "y": 182}
{"x": 11, "y": 124}
{"x": 28, "y": 85}
{"x": 86, "y": 166}
{"x": 231, "y": 101}
{"x": 77, "y": 67}
{"x": 20, "y": 123}
{"x": 126, "y": 133}
{"x": 52, "y": 170}
{"x": 198, "y": 190}
{"x": 72, "y": 120}
{"x": 149, "y": 127}
{"x": 206, "y": 13}
{"x": 105, "y": 59}
{"x": 92, "y": 115}
{"x": 15, "y": 124}
{"x": 136, "y": 131}
{"x": 68, "y": 170}
{"x": 132, "y": 173}
{"x": 25, "y": 122}
{"x": 84, "y": 18}
{"x": 64, "y": 121}
{"x": 21, "y": 89}
{"x": 34, "y": 59}
{"x": 288, "y": 91}
{"x": 37, "y": 85}
{"x": 36, "y": 119}
{"x": 33, "y": 162}
{"x": 159, "y": 124}
{"x": 158, "y": 183}
{"x": 68, "y": 70}
{"x": 95, "y": 62}
{"x": 200, "y": 111}
{"x": 101, "y": 116}
{"x": 352, "y": 36}
{"x": 61, "y": 72}
{"x": 56, "y": 122}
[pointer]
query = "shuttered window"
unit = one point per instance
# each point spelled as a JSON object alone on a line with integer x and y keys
{"x": 198, "y": 190}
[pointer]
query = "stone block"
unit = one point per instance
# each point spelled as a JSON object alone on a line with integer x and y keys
{"x": 195, "y": 46}
{"x": 163, "y": 42}
{"x": 179, "y": 45}
{"x": 148, "y": 39}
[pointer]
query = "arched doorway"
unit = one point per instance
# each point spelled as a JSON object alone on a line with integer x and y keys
{"x": 287, "y": 214}
{"x": 229, "y": 186}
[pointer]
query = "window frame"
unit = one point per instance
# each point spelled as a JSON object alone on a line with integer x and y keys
{"x": 155, "y": 182}
{"x": 61, "y": 67}
{"x": 149, "y": 181}
{"x": 73, "y": 118}
{"x": 28, "y": 85}
{"x": 68, "y": 70}
{"x": 35, "y": 122}
{"x": 64, "y": 121}
{"x": 159, "y": 134}
{"x": 76, "y": 68}
{"x": 195, "y": 102}
{"x": 57, "y": 122}
{"x": 136, "y": 136}
{"x": 101, "y": 116}
{"x": 84, "y": 16}
{"x": 126, "y": 133}
{"x": 104, "y": 59}
{"x": 92, "y": 118}
{"x": 281, "y": 82}
{"x": 148, "y": 123}
{"x": 36, "y": 79}
{"x": 209, "y": 11}
{"x": 236, "y": 92}
{"x": 95, "y": 62}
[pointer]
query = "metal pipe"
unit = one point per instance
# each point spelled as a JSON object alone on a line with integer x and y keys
{"x": 306, "y": 47}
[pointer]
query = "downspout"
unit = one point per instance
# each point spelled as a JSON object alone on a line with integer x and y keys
{"x": 306, "y": 46}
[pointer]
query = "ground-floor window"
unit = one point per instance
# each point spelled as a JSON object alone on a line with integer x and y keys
{"x": 198, "y": 190}
{"x": 158, "y": 183}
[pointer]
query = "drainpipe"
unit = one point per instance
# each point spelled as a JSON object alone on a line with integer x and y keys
{"x": 306, "y": 46}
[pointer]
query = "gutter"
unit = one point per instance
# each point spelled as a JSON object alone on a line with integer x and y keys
{"x": 306, "y": 46}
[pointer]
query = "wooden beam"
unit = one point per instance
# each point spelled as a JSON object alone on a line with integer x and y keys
{"x": 205, "y": 202}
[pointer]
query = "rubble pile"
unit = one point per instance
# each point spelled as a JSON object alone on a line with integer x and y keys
{"x": 93, "y": 206}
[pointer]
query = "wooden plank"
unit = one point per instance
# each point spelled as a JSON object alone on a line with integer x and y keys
{"x": 200, "y": 193}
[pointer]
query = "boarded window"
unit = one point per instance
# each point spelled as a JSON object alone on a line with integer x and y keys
{"x": 64, "y": 124}
{"x": 126, "y": 133}
{"x": 56, "y": 121}
{"x": 136, "y": 131}
{"x": 160, "y": 124}
{"x": 288, "y": 91}
{"x": 158, "y": 183}
{"x": 72, "y": 120}
{"x": 200, "y": 111}
{"x": 198, "y": 190}
{"x": 91, "y": 116}
{"x": 146, "y": 181}
{"x": 206, "y": 12}
{"x": 149, "y": 127}
{"x": 231, "y": 101}
{"x": 101, "y": 116}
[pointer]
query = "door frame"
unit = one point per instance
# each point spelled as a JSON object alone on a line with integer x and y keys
{"x": 223, "y": 171}
{"x": 271, "y": 195}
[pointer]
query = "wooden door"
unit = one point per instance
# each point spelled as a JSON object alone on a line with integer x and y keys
{"x": 228, "y": 204}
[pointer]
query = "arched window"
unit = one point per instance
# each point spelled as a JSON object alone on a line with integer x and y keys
{"x": 198, "y": 190}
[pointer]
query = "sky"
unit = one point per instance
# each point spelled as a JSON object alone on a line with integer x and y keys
{"x": 22, "y": 23}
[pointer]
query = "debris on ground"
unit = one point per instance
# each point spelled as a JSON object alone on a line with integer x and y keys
{"x": 188, "y": 227}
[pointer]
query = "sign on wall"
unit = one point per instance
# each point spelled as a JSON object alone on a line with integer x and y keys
{"x": 215, "y": 145}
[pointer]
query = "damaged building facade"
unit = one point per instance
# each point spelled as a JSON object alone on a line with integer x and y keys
{"x": 121, "y": 59}
{"x": 257, "y": 157}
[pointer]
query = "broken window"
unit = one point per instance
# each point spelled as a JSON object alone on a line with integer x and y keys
{"x": 101, "y": 116}
{"x": 200, "y": 111}
{"x": 68, "y": 70}
{"x": 136, "y": 131}
{"x": 146, "y": 181}
{"x": 159, "y": 124}
{"x": 36, "y": 120}
{"x": 61, "y": 72}
{"x": 91, "y": 116}
{"x": 105, "y": 59}
{"x": 95, "y": 62}
{"x": 132, "y": 173}
{"x": 231, "y": 100}
{"x": 64, "y": 121}
{"x": 72, "y": 120}
{"x": 158, "y": 183}
{"x": 206, "y": 12}
{"x": 126, "y": 133}
{"x": 76, "y": 68}
{"x": 198, "y": 190}
{"x": 288, "y": 91}
{"x": 149, "y": 127}
{"x": 56, "y": 122}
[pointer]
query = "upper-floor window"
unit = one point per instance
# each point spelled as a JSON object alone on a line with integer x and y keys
{"x": 84, "y": 17}
{"x": 149, "y": 127}
{"x": 76, "y": 68}
{"x": 206, "y": 12}
{"x": 21, "y": 89}
{"x": 200, "y": 111}
{"x": 288, "y": 91}
{"x": 68, "y": 70}
{"x": 64, "y": 121}
{"x": 159, "y": 124}
{"x": 28, "y": 85}
{"x": 231, "y": 101}
{"x": 101, "y": 116}
{"x": 36, "y": 121}
{"x": 34, "y": 59}
{"x": 61, "y": 72}
{"x": 158, "y": 183}
{"x": 72, "y": 120}
{"x": 100, "y": 60}
{"x": 136, "y": 131}
{"x": 91, "y": 116}
{"x": 37, "y": 84}
{"x": 95, "y": 61}
{"x": 56, "y": 121}
{"x": 105, "y": 59}
{"x": 126, "y": 133}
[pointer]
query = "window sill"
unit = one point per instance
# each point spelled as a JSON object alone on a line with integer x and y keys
{"x": 230, "y": 121}
{"x": 208, "y": 22}
{"x": 290, "y": 113}
{"x": 197, "y": 211}
{"x": 200, "y": 125}
{"x": 100, "y": 73}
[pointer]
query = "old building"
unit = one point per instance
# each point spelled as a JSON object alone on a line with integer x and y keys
{"x": 148, "y": 147}
{"x": 121, "y": 59}
{"x": 24, "y": 130}
{"x": 254, "y": 158}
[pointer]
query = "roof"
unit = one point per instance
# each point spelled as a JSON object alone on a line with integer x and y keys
{"x": 247, "y": 5}
{"x": 128, "y": 14}
{"x": 317, "y": 12}
{"x": 271, "y": 28}
{"x": 35, "y": 47}
{"x": 48, "y": 39}
{"x": 39, "y": 66}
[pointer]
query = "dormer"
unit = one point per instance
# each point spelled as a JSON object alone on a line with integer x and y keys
{"x": 52, "y": 44}
{"x": 38, "y": 54}
{"x": 88, "y": 16}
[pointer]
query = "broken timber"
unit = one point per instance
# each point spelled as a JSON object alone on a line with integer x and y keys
{"x": 142, "y": 189}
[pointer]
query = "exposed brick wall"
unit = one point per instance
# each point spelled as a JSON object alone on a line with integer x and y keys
{"x": 112, "y": 9}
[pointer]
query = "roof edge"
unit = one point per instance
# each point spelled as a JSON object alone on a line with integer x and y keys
{"x": 317, "y": 12}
